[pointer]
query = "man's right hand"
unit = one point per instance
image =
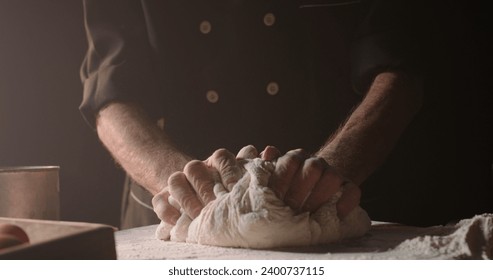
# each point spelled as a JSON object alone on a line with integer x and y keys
{"x": 307, "y": 182}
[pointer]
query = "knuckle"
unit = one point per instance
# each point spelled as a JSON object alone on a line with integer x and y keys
{"x": 301, "y": 153}
{"x": 314, "y": 164}
{"x": 250, "y": 148}
{"x": 222, "y": 159}
{"x": 176, "y": 179}
{"x": 270, "y": 153}
{"x": 180, "y": 193}
{"x": 221, "y": 153}
{"x": 189, "y": 200}
{"x": 289, "y": 163}
{"x": 164, "y": 210}
{"x": 248, "y": 152}
{"x": 193, "y": 165}
{"x": 159, "y": 198}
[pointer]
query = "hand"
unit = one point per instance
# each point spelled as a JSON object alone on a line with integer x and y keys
{"x": 193, "y": 188}
{"x": 305, "y": 183}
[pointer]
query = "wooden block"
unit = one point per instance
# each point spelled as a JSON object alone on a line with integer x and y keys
{"x": 55, "y": 240}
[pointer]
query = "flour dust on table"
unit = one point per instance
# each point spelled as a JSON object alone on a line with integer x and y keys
{"x": 251, "y": 216}
{"x": 471, "y": 239}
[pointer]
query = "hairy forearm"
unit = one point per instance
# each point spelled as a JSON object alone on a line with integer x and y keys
{"x": 372, "y": 130}
{"x": 139, "y": 145}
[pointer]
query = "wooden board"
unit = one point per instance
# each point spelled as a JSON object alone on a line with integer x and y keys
{"x": 55, "y": 240}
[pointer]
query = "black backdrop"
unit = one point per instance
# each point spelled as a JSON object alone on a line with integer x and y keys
{"x": 42, "y": 44}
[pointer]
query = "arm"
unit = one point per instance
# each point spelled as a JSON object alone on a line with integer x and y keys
{"x": 149, "y": 156}
{"x": 139, "y": 145}
{"x": 372, "y": 130}
{"x": 361, "y": 144}
{"x": 142, "y": 149}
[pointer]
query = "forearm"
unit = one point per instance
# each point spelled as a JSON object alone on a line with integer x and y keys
{"x": 372, "y": 130}
{"x": 139, "y": 145}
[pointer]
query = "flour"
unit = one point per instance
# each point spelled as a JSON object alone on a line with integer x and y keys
{"x": 472, "y": 239}
{"x": 251, "y": 216}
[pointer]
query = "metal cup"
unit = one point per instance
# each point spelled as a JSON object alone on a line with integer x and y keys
{"x": 30, "y": 192}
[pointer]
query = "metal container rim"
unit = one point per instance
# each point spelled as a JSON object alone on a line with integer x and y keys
{"x": 12, "y": 169}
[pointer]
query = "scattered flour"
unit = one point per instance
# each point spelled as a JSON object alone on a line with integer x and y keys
{"x": 251, "y": 216}
{"x": 472, "y": 239}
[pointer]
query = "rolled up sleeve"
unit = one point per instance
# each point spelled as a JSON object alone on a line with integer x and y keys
{"x": 118, "y": 65}
{"x": 390, "y": 38}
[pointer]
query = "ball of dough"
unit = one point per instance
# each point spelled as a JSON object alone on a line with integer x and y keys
{"x": 251, "y": 216}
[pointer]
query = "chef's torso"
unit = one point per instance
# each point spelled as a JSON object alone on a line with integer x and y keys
{"x": 253, "y": 72}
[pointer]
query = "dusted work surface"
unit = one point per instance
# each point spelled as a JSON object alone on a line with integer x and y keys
{"x": 469, "y": 239}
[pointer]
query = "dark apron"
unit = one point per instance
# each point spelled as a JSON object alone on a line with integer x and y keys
{"x": 136, "y": 206}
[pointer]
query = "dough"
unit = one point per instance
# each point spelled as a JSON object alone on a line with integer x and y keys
{"x": 251, "y": 216}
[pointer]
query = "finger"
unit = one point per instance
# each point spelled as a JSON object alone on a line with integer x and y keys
{"x": 183, "y": 192}
{"x": 286, "y": 168}
{"x": 164, "y": 210}
{"x": 349, "y": 200}
{"x": 173, "y": 202}
{"x": 247, "y": 152}
{"x": 329, "y": 184}
{"x": 201, "y": 179}
{"x": 163, "y": 230}
{"x": 304, "y": 181}
{"x": 225, "y": 162}
{"x": 270, "y": 153}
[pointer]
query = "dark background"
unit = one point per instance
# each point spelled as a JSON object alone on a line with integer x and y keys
{"x": 42, "y": 44}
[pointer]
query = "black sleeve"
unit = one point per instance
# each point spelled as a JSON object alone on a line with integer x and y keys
{"x": 391, "y": 37}
{"x": 119, "y": 63}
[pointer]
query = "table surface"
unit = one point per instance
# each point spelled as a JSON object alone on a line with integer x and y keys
{"x": 383, "y": 241}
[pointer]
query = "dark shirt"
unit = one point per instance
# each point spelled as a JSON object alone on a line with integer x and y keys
{"x": 284, "y": 73}
{"x": 236, "y": 72}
